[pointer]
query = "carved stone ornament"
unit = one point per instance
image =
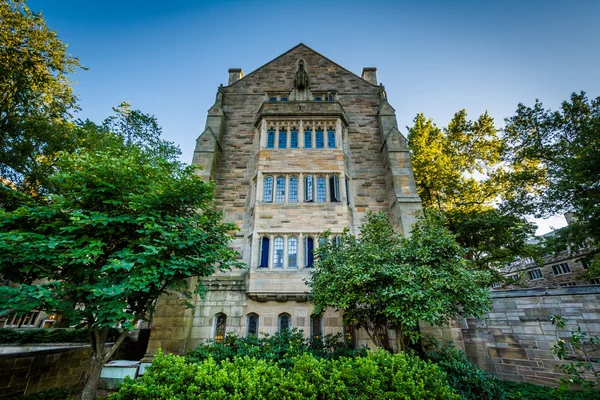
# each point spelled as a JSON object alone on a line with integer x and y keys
{"x": 301, "y": 79}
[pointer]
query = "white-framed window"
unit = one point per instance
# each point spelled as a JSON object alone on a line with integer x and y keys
{"x": 535, "y": 274}
{"x": 268, "y": 189}
{"x": 280, "y": 190}
{"x": 278, "y": 252}
{"x": 561, "y": 269}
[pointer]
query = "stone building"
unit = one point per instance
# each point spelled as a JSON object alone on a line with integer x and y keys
{"x": 296, "y": 147}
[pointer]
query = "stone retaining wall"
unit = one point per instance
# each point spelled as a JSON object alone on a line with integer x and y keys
{"x": 515, "y": 340}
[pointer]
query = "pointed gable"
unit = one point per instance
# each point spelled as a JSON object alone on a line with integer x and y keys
{"x": 324, "y": 74}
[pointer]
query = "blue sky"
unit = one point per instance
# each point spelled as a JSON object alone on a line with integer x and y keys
{"x": 435, "y": 57}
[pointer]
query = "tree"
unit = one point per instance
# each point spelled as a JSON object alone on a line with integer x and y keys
{"x": 384, "y": 280}
{"x": 555, "y": 158}
{"x": 459, "y": 172}
{"x": 36, "y": 97}
{"x": 119, "y": 228}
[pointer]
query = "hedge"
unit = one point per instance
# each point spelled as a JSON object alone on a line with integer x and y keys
{"x": 52, "y": 335}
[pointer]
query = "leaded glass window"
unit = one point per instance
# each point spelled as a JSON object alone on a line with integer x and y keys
{"x": 284, "y": 322}
{"x": 308, "y": 139}
{"x": 308, "y": 188}
{"x": 294, "y": 139}
{"x": 319, "y": 139}
{"x": 321, "y": 190}
{"x": 220, "y": 325}
{"x": 278, "y": 252}
{"x": 264, "y": 252}
{"x": 282, "y": 139}
{"x": 252, "y": 321}
{"x": 268, "y": 189}
{"x": 331, "y": 139}
{"x": 280, "y": 190}
{"x": 293, "y": 190}
{"x": 270, "y": 139}
{"x": 292, "y": 252}
{"x": 315, "y": 327}
{"x": 309, "y": 246}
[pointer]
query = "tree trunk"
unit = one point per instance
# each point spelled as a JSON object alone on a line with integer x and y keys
{"x": 400, "y": 347}
{"x": 93, "y": 378}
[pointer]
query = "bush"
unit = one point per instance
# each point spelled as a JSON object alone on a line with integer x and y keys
{"x": 279, "y": 348}
{"x": 378, "y": 375}
{"x": 468, "y": 380}
{"x": 52, "y": 335}
{"x": 54, "y": 394}
{"x": 527, "y": 391}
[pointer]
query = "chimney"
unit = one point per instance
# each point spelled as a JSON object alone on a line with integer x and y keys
{"x": 369, "y": 74}
{"x": 235, "y": 74}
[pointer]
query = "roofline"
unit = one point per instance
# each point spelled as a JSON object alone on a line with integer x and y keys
{"x": 294, "y": 48}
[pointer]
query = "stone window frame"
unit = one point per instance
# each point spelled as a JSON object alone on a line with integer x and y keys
{"x": 316, "y": 321}
{"x": 300, "y": 243}
{"x": 268, "y": 189}
{"x": 278, "y": 259}
{"x": 536, "y": 274}
{"x": 250, "y": 316}
{"x": 276, "y": 187}
{"x": 561, "y": 269}
{"x": 220, "y": 330}
{"x": 271, "y": 128}
{"x": 29, "y": 319}
{"x": 293, "y": 189}
{"x": 280, "y": 189}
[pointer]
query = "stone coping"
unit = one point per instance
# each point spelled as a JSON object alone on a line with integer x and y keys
{"x": 303, "y": 108}
{"x": 52, "y": 348}
{"x": 556, "y": 291}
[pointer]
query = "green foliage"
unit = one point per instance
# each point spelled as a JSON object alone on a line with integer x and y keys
{"x": 528, "y": 391}
{"x": 386, "y": 281}
{"x": 54, "y": 394}
{"x": 458, "y": 172}
{"x": 471, "y": 382}
{"x": 378, "y": 375}
{"x": 36, "y": 95}
{"x": 280, "y": 348}
{"x": 554, "y": 157}
{"x": 53, "y": 335}
{"x": 585, "y": 348}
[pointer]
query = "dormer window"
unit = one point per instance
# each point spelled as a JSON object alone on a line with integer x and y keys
{"x": 329, "y": 97}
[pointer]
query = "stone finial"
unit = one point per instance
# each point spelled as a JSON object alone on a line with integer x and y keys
{"x": 235, "y": 74}
{"x": 369, "y": 74}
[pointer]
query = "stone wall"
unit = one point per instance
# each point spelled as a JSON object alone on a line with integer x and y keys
{"x": 35, "y": 368}
{"x": 515, "y": 340}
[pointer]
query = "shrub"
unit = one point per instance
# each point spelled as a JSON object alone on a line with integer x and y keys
{"x": 378, "y": 375}
{"x": 468, "y": 380}
{"x": 527, "y": 391}
{"x": 53, "y": 394}
{"x": 279, "y": 348}
{"x": 52, "y": 335}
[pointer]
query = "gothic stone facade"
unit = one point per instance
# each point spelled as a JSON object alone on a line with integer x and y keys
{"x": 299, "y": 146}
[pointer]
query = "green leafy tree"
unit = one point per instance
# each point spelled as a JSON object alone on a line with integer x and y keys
{"x": 36, "y": 97}
{"x": 119, "y": 228}
{"x": 459, "y": 172}
{"x": 554, "y": 156}
{"x": 384, "y": 280}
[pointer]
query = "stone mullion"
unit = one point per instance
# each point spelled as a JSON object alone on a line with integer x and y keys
{"x": 259, "y": 187}
{"x": 342, "y": 188}
{"x": 301, "y": 135}
{"x": 300, "y": 254}
{"x": 314, "y": 135}
{"x": 254, "y": 259}
{"x": 327, "y": 190}
{"x": 300, "y": 187}
{"x": 289, "y": 137}
{"x": 286, "y": 199}
{"x": 338, "y": 134}
{"x": 285, "y": 251}
{"x": 263, "y": 134}
{"x": 276, "y": 135}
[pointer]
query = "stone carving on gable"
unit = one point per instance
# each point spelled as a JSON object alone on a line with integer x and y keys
{"x": 301, "y": 79}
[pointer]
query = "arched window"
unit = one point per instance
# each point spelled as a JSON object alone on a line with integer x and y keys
{"x": 337, "y": 240}
{"x": 220, "y": 325}
{"x": 284, "y": 322}
{"x": 272, "y": 98}
{"x": 268, "y": 189}
{"x": 252, "y": 322}
{"x": 278, "y": 252}
{"x": 263, "y": 258}
{"x": 331, "y": 138}
{"x": 309, "y": 246}
{"x": 294, "y": 138}
{"x": 321, "y": 190}
{"x": 284, "y": 99}
{"x": 292, "y": 252}
{"x": 271, "y": 139}
{"x": 319, "y": 139}
{"x": 308, "y": 189}
{"x": 293, "y": 198}
{"x": 280, "y": 190}
{"x": 334, "y": 188}
{"x": 318, "y": 98}
{"x": 282, "y": 139}
{"x": 308, "y": 139}
{"x": 315, "y": 327}
{"x": 323, "y": 241}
